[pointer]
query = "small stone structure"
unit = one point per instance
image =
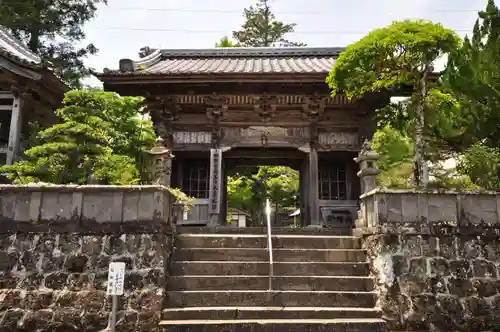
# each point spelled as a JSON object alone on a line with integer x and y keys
{"x": 55, "y": 246}
{"x": 435, "y": 256}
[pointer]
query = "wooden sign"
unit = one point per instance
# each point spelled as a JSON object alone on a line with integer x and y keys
{"x": 192, "y": 137}
{"x": 339, "y": 140}
{"x": 214, "y": 193}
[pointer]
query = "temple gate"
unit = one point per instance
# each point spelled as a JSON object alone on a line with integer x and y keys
{"x": 222, "y": 108}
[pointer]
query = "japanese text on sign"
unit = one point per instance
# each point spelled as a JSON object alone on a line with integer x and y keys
{"x": 116, "y": 278}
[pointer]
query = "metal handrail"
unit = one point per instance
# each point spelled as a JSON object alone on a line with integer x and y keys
{"x": 269, "y": 243}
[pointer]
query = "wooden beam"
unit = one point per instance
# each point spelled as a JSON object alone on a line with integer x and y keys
{"x": 262, "y": 153}
{"x": 249, "y": 162}
{"x": 235, "y": 87}
{"x": 19, "y": 70}
{"x": 40, "y": 90}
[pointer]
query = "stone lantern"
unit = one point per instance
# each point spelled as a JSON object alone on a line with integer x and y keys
{"x": 368, "y": 171}
{"x": 162, "y": 161}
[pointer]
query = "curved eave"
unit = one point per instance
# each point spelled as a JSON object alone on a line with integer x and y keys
{"x": 21, "y": 68}
{"x": 36, "y": 78}
{"x": 138, "y": 78}
{"x": 20, "y": 61}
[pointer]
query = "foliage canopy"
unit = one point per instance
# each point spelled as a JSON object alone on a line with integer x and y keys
{"x": 101, "y": 137}
{"x": 394, "y": 56}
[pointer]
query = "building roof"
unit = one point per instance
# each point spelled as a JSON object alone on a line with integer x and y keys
{"x": 268, "y": 60}
{"x": 13, "y": 49}
{"x": 17, "y": 58}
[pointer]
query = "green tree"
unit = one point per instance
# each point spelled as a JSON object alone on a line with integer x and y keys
{"x": 225, "y": 42}
{"x": 400, "y": 55}
{"x": 481, "y": 164}
{"x": 248, "y": 190}
{"x": 100, "y": 136}
{"x": 472, "y": 77}
{"x": 261, "y": 29}
{"x": 282, "y": 187}
{"x": 52, "y": 29}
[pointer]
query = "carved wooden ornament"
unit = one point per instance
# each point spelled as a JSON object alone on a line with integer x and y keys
{"x": 265, "y": 107}
{"x": 314, "y": 107}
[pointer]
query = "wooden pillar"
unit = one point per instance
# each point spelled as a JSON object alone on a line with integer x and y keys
{"x": 303, "y": 193}
{"x": 163, "y": 111}
{"x": 313, "y": 188}
{"x": 15, "y": 129}
{"x": 217, "y": 106}
{"x": 223, "y": 212}
{"x": 214, "y": 193}
{"x": 313, "y": 110}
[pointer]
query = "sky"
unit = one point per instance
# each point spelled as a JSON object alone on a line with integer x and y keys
{"x": 124, "y": 26}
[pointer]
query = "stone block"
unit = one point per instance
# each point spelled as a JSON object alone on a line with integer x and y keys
{"x": 443, "y": 282}
{"x": 55, "y": 247}
{"x": 406, "y": 207}
{"x": 91, "y": 209}
{"x": 479, "y": 210}
{"x": 442, "y": 208}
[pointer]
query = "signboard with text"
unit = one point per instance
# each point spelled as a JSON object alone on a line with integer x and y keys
{"x": 116, "y": 278}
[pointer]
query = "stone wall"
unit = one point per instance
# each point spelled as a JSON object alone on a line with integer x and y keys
{"x": 55, "y": 246}
{"x": 435, "y": 257}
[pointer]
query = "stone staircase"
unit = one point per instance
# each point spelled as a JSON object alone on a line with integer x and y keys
{"x": 219, "y": 281}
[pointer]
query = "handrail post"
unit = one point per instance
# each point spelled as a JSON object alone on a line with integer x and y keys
{"x": 269, "y": 243}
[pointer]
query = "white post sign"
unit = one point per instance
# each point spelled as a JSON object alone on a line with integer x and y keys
{"x": 116, "y": 278}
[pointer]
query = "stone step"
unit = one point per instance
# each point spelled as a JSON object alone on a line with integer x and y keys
{"x": 276, "y": 325}
{"x": 296, "y": 283}
{"x": 262, "y": 268}
{"x": 219, "y": 313}
{"x": 260, "y": 241}
{"x": 279, "y": 255}
{"x": 263, "y": 230}
{"x": 270, "y": 298}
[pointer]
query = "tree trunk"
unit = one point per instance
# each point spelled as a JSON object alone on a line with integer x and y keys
{"x": 34, "y": 42}
{"x": 276, "y": 213}
{"x": 422, "y": 171}
{"x": 267, "y": 42}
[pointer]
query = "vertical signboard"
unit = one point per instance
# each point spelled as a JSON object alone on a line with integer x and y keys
{"x": 214, "y": 194}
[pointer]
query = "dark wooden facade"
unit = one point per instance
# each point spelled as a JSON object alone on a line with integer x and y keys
{"x": 29, "y": 92}
{"x": 222, "y": 108}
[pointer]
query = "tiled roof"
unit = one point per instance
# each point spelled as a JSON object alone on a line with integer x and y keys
{"x": 15, "y": 50}
{"x": 31, "y": 64}
{"x": 297, "y": 60}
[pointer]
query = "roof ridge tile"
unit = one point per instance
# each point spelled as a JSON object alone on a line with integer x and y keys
{"x": 14, "y": 47}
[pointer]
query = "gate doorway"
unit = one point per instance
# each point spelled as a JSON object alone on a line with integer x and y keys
{"x": 253, "y": 175}
{"x": 250, "y": 175}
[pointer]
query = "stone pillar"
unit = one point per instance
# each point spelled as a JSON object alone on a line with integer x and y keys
{"x": 215, "y": 181}
{"x": 162, "y": 163}
{"x": 368, "y": 171}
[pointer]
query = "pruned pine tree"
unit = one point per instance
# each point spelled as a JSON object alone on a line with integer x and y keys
{"x": 401, "y": 54}
{"x": 100, "y": 137}
{"x": 261, "y": 29}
